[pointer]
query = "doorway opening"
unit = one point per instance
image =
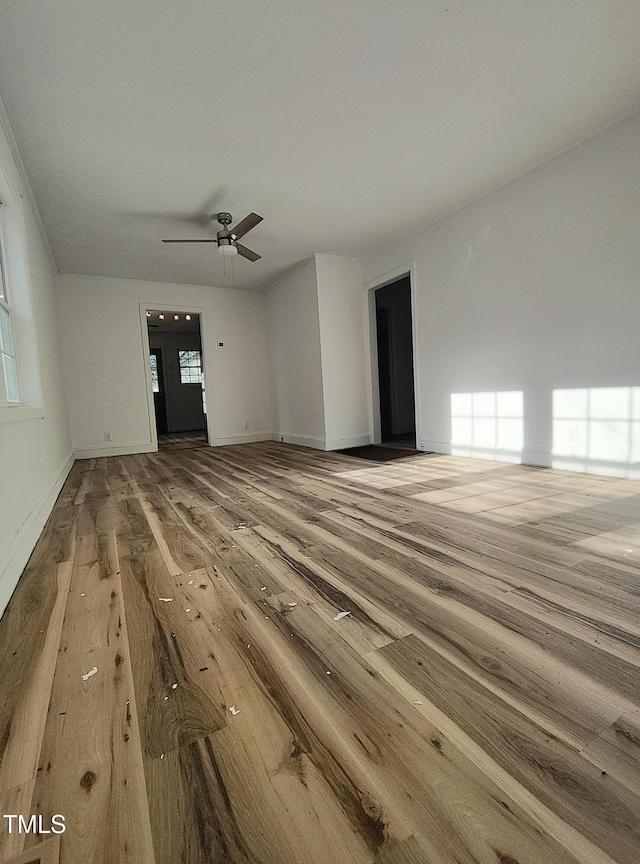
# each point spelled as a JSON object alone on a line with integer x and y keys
{"x": 394, "y": 334}
{"x": 177, "y": 379}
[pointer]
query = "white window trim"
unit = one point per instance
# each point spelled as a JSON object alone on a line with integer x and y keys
{"x": 6, "y": 306}
{"x": 13, "y": 235}
{"x": 199, "y": 383}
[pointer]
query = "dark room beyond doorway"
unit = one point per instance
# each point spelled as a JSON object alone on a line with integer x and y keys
{"x": 175, "y": 356}
{"x": 395, "y": 363}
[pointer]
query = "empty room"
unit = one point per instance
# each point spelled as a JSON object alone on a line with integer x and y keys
{"x": 320, "y": 432}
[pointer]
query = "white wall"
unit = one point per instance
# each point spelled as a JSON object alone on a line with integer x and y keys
{"x": 105, "y": 366}
{"x": 342, "y": 319}
{"x": 533, "y": 292}
{"x": 294, "y": 350}
{"x": 317, "y": 321}
{"x": 35, "y": 445}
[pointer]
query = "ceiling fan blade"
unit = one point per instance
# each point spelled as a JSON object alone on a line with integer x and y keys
{"x": 189, "y": 241}
{"x": 246, "y": 225}
{"x": 247, "y": 253}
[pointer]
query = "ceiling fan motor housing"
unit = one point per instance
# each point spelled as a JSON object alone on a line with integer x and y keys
{"x": 224, "y": 236}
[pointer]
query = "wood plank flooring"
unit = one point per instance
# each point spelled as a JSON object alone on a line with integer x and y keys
{"x": 182, "y": 440}
{"x": 178, "y": 680}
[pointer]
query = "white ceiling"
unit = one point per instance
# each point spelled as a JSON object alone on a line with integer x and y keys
{"x": 344, "y": 124}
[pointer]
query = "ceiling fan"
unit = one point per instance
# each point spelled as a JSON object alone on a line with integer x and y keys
{"x": 227, "y": 238}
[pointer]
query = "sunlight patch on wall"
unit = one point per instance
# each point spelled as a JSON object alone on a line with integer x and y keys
{"x": 597, "y": 429}
{"x": 488, "y": 425}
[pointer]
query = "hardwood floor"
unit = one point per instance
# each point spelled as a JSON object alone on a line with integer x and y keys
{"x": 182, "y": 440}
{"x": 180, "y": 680}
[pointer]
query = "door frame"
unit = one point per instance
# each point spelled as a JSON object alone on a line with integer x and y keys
{"x": 172, "y": 309}
{"x": 375, "y": 426}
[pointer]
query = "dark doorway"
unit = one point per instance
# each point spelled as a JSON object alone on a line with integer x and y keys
{"x": 395, "y": 363}
{"x": 383, "y": 328}
{"x": 177, "y": 374}
{"x": 157, "y": 383}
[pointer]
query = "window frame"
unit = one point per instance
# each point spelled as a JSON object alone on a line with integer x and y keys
{"x": 189, "y": 366}
{"x": 18, "y": 301}
{"x": 153, "y": 357}
{"x": 5, "y": 306}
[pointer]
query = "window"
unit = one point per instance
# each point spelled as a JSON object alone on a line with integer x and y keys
{"x": 153, "y": 361}
{"x": 190, "y": 367}
{"x": 7, "y": 344}
{"x": 3, "y": 287}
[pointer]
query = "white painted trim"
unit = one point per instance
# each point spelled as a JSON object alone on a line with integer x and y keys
{"x": 242, "y": 439}
{"x": 18, "y": 552}
{"x": 541, "y": 459}
{"x": 533, "y": 456}
{"x": 373, "y": 384}
{"x": 362, "y": 440}
{"x": 114, "y": 450}
{"x": 313, "y": 441}
{"x": 208, "y": 372}
{"x": 204, "y": 329}
{"x": 151, "y": 410}
{"x": 409, "y": 270}
{"x": 129, "y": 449}
{"x": 13, "y": 231}
{"x": 443, "y": 447}
{"x": 448, "y": 446}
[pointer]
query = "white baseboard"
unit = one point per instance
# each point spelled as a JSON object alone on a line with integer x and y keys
{"x": 532, "y": 456}
{"x": 443, "y": 447}
{"x": 242, "y": 439}
{"x": 318, "y": 443}
{"x": 528, "y": 456}
{"x": 15, "y": 558}
{"x": 361, "y": 440}
{"x": 301, "y": 440}
{"x": 539, "y": 458}
{"x": 114, "y": 450}
{"x": 128, "y": 449}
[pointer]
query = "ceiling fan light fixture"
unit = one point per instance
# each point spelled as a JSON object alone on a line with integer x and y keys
{"x": 226, "y": 247}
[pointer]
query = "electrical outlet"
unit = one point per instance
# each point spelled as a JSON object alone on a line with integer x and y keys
{"x": 245, "y": 424}
{"x": 573, "y": 433}
{"x": 107, "y": 436}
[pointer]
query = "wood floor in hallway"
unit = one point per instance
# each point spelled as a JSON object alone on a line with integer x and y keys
{"x": 263, "y": 654}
